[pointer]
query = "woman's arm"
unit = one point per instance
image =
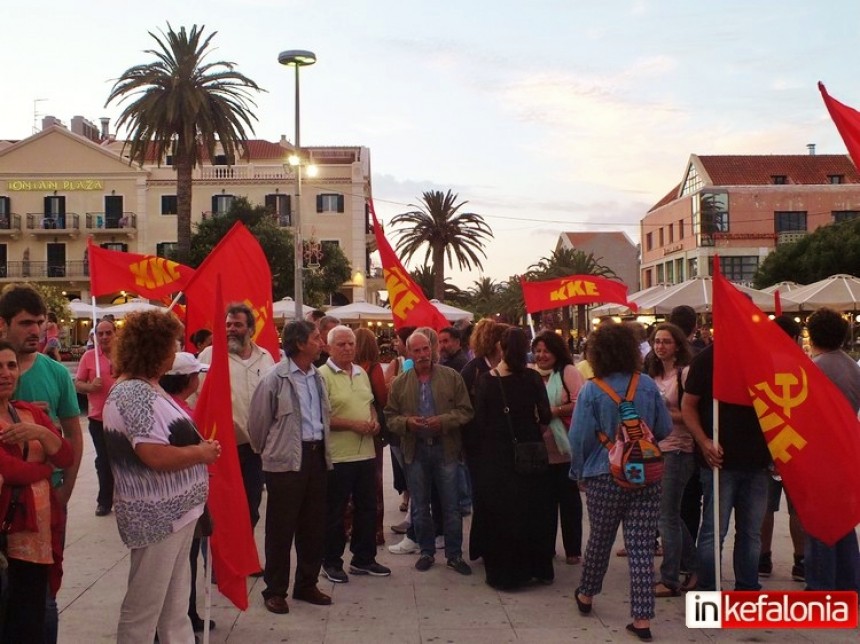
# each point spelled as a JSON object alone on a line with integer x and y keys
{"x": 17, "y": 472}
{"x": 169, "y": 458}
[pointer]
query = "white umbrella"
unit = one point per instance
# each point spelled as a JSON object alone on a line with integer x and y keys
{"x": 132, "y": 306}
{"x": 841, "y": 292}
{"x": 286, "y": 308}
{"x": 782, "y": 287}
{"x": 358, "y": 311}
{"x": 696, "y": 292}
{"x": 638, "y": 296}
{"x": 452, "y": 313}
{"x": 81, "y": 309}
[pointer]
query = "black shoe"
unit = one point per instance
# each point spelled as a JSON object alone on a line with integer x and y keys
{"x": 460, "y": 566}
{"x": 424, "y": 563}
{"x": 765, "y": 565}
{"x": 335, "y": 574}
{"x": 584, "y": 608}
{"x": 373, "y": 569}
{"x": 798, "y": 570}
{"x": 102, "y": 510}
{"x": 643, "y": 634}
{"x": 198, "y": 624}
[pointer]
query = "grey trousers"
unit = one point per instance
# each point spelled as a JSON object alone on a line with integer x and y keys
{"x": 157, "y": 597}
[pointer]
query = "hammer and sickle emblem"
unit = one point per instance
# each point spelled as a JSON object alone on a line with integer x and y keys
{"x": 786, "y": 382}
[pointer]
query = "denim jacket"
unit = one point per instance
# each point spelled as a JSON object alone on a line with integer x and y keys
{"x": 595, "y": 411}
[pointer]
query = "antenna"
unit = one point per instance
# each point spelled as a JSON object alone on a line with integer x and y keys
{"x": 36, "y": 113}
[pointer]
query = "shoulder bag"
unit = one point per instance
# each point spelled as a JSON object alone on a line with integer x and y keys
{"x": 530, "y": 457}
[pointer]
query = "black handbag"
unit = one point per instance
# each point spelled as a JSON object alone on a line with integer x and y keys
{"x": 530, "y": 457}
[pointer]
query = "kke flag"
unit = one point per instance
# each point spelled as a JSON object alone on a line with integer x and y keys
{"x": 234, "y": 553}
{"x": 573, "y": 289}
{"x": 810, "y": 428}
{"x": 245, "y": 277}
{"x": 847, "y": 121}
{"x": 147, "y": 275}
{"x": 409, "y": 307}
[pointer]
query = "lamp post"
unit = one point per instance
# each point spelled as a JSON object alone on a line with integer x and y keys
{"x": 298, "y": 58}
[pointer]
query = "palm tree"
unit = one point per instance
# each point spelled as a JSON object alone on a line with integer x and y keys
{"x": 423, "y": 277}
{"x": 184, "y": 106}
{"x": 483, "y": 296}
{"x": 446, "y": 232}
{"x": 570, "y": 261}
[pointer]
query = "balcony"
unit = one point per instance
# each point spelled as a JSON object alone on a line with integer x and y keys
{"x": 45, "y": 270}
{"x": 243, "y": 172}
{"x": 790, "y": 237}
{"x": 40, "y": 223}
{"x": 283, "y": 220}
{"x": 10, "y": 225}
{"x": 98, "y": 223}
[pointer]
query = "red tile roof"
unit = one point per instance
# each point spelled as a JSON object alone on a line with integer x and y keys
{"x": 669, "y": 198}
{"x": 803, "y": 169}
{"x": 586, "y": 239}
{"x": 256, "y": 149}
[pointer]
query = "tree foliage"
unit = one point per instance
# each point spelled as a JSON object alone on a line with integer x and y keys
{"x": 825, "y": 252}
{"x": 183, "y": 105}
{"x": 277, "y": 244}
{"x": 423, "y": 277}
{"x": 437, "y": 227}
{"x": 54, "y": 299}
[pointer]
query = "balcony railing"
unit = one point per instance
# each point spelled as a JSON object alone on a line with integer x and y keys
{"x": 30, "y": 269}
{"x": 225, "y": 172}
{"x": 10, "y": 223}
{"x": 96, "y": 221}
{"x": 46, "y": 222}
{"x": 790, "y": 237}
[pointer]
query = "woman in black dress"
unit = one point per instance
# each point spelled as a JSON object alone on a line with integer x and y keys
{"x": 516, "y": 508}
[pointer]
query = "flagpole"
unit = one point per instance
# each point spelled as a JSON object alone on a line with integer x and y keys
{"x": 175, "y": 300}
{"x": 96, "y": 339}
{"x": 207, "y": 588}
{"x": 531, "y": 324}
{"x": 715, "y": 473}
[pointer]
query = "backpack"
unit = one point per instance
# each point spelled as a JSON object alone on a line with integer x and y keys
{"x": 634, "y": 458}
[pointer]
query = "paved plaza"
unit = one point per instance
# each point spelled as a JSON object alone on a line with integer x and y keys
{"x": 438, "y": 606}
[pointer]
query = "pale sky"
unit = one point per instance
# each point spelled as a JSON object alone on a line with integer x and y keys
{"x": 547, "y": 116}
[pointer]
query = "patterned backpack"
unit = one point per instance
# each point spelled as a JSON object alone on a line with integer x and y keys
{"x": 634, "y": 458}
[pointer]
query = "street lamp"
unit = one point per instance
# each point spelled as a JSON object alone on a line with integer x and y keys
{"x": 298, "y": 58}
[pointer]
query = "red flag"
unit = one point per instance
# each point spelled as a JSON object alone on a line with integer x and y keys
{"x": 409, "y": 306}
{"x": 573, "y": 289}
{"x": 147, "y": 275}
{"x": 847, "y": 121}
{"x": 234, "y": 553}
{"x": 245, "y": 277}
{"x": 810, "y": 428}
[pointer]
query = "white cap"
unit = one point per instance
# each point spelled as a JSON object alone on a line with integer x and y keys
{"x": 185, "y": 364}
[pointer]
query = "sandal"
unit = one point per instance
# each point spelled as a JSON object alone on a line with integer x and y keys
{"x": 584, "y": 608}
{"x": 643, "y": 633}
{"x": 662, "y": 590}
{"x": 690, "y": 582}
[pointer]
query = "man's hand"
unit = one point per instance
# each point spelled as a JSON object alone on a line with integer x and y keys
{"x": 433, "y": 423}
{"x": 713, "y": 453}
{"x": 96, "y": 384}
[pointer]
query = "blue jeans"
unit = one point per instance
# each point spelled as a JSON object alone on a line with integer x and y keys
{"x": 745, "y": 493}
{"x": 679, "y": 551}
{"x": 832, "y": 568}
{"x": 428, "y": 467}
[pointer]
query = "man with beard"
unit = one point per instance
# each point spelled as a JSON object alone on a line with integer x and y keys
{"x": 248, "y": 364}
{"x": 451, "y": 350}
{"x": 48, "y": 384}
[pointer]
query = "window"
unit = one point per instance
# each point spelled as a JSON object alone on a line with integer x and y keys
{"x": 671, "y": 233}
{"x": 692, "y": 183}
{"x": 739, "y": 269}
{"x": 836, "y": 178}
{"x": 3, "y": 258}
{"x": 692, "y": 267}
{"x": 670, "y": 272}
{"x": 660, "y": 273}
{"x": 166, "y": 249}
{"x": 168, "y": 205}
{"x": 168, "y": 160}
{"x": 5, "y": 214}
{"x": 710, "y": 215}
{"x": 649, "y": 241}
{"x": 789, "y": 222}
{"x": 279, "y": 206}
{"x": 844, "y": 215}
{"x": 56, "y": 254}
{"x": 680, "y": 229}
{"x": 123, "y": 248}
{"x": 329, "y": 203}
{"x": 660, "y": 237}
{"x": 221, "y": 204}
{"x": 679, "y": 270}
{"x": 55, "y": 213}
{"x": 779, "y": 179}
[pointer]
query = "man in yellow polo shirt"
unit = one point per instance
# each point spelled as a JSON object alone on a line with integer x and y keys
{"x": 353, "y": 426}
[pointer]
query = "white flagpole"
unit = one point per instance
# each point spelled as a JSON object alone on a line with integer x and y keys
{"x": 175, "y": 300}
{"x": 716, "y": 498}
{"x": 96, "y": 339}
{"x": 207, "y": 590}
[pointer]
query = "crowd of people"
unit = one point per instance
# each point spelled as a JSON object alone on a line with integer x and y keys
{"x": 486, "y": 423}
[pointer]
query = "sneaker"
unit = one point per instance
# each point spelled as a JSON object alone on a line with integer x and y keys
{"x": 373, "y": 569}
{"x": 335, "y": 574}
{"x": 424, "y": 563}
{"x": 440, "y": 542}
{"x": 798, "y": 570}
{"x": 765, "y": 565}
{"x": 405, "y": 547}
{"x": 460, "y": 566}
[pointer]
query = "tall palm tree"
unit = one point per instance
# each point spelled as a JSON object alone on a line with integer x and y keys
{"x": 570, "y": 261}
{"x": 184, "y": 106}
{"x": 423, "y": 277}
{"x": 483, "y": 296}
{"x": 438, "y": 223}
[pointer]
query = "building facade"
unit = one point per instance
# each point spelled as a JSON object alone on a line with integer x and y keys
{"x": 59, "y": 187}
{"x": 742, "y": 208}
{"x": 612, "y": 249}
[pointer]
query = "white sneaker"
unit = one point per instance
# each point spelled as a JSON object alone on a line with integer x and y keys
{"x": 405, "y": 547}
{"x": 440, "y": 542}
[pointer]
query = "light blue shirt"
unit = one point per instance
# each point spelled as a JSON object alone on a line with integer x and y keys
{"x": 309, "y": 399}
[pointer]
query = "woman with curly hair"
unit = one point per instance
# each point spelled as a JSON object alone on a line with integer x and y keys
{"x": 159, "y": 463}
{"x": 613, "y": 352}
